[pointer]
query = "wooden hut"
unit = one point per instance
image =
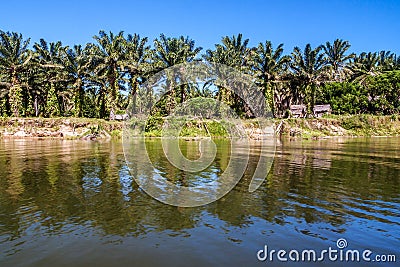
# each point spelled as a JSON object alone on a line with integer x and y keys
{"x": 118, "y": 117}
{"x": 320, "y": 110}
{"x": 298, "y": 111}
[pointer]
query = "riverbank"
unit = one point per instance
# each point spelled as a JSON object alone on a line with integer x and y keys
{"x": 311, "y": 128}
{"x": 352, "y": 126}
{"x": 65, "y": 128}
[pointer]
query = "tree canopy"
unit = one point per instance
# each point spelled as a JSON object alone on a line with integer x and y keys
{"x": 92, "y": 80}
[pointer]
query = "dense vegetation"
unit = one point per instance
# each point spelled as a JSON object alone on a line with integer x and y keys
{"x": 51, "y": 80}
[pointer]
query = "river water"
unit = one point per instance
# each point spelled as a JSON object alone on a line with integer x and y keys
{"x": 75, "y": 203}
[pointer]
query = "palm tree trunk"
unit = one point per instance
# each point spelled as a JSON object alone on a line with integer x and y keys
{"x": 182, "y": 89}
{"x": 79, "y": 95}
{"x": 269, "y": 94}
{"x": 36, "y": 105}
{"x": 313, "y": 89}
{"x": 134, "y": 90}
{"x": 15, "y": 95}
{"x": 52, "y": 102}
{"x": 101, "y": 101}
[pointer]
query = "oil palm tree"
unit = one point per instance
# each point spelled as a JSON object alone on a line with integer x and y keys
{"x": 49, "y": 60}
{"x": 337, "y": 59}
{"x": 108, "y": 56}
{"x": 170, "y": 51}
{"x": 270, "y": 66}
{"x": 397, "y": 62}
{"x": 137, "y": 64}
{"x": 363, "y": 66}
{"x": 309, "y": 70}
{"x": 77, "y": 64}
{"x": 235, "y": 53}
{"x": 14, "y": 62}
{"x": 386, "y": 61}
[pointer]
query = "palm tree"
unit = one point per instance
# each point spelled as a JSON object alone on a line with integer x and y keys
{"x": 136, "y": 64}
{"x": 49, "y": 59}
{"x": 172, "y": 51}
{"x": 108, "y": 57}
{"x": 78, "y": 67}
{"x": 387, "y": 61}
{"x": 397, "y": 62}
{"x": 337, "y": 59}
{"x": 363, "y": 66}
{"x": 309, "y": 70}
{"x": 14, "y": 61}
{"x": 235, "y": 53}
{"x": 270, "y": 66}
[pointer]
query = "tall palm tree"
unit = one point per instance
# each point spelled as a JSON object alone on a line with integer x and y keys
{"x": 49, "y": 59}
{"x": 397, "y": 62}
{"x": 364, "y": 65}
{"x": 337, "y": 59}
{"x": 108, "y": 57}
{"x": 270, "y": 66}
{"x": 235, "y": 53}
{"x": 77, "y": 64}
{"x": 309, "y": 70}
{"x": 137, "y": 64}
{"x": 386, "y": 61}
{"x": 171, "y": 51}
{"x": 14, "y": 61}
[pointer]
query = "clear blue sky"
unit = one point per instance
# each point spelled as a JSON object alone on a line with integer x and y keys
{"x": 368, "y": 25}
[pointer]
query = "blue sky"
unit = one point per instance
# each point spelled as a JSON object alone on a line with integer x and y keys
{"x": 368, "y": 25}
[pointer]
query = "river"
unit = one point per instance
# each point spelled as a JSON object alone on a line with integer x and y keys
{"x": 76, "y": 203}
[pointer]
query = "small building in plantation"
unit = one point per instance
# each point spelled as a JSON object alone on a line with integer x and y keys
{"x": 320, "y": 110}
{"x": 118, "y": 117}
{"x": 298, "y": 111}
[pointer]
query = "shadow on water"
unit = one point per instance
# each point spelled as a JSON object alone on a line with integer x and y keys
{"x": 75, "y": 202}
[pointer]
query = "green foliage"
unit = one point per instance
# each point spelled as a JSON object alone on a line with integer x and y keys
{"x": 384, "y": 92}
{"x": 355, "y": 122}
{"x": 116, "y": 133}
{"x": 52, "y": 103}
{"x": 154, "y": 123}
{"x": 52, "y": 79}
{"x": 192, "y": 130}
{"x": 344, "y": 98}
{"x": 217, "y": 129}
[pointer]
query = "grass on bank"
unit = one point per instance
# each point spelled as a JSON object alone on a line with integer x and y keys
{"x": 310, "y": 128}
{"x": 54, "y": 127}
{"x": 335, "y": 125}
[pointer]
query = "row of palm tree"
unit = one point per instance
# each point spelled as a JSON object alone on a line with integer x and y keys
{"x": 51, "y": 79}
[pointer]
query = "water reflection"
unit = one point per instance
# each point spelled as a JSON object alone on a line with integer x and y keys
{"x": 316, "y": 192}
